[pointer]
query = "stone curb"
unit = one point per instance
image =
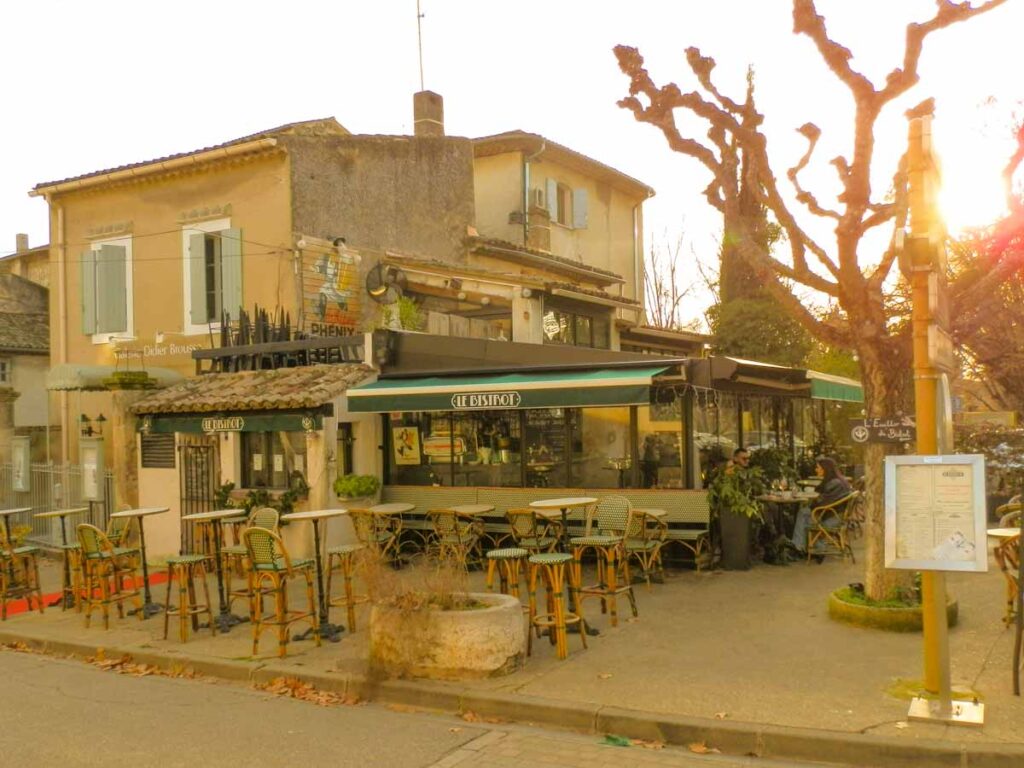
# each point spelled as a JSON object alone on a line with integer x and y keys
{"x": 734, "y": 738}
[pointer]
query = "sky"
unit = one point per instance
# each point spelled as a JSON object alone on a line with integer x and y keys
{"x": 92, "y": 85}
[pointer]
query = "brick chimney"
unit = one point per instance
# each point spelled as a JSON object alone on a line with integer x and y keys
{"x": 21, "y": 242}
{"x": 427, "y": 114}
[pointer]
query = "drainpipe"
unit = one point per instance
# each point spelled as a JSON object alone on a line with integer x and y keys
{"x": 526, "y": 189}
{"x": 62, "y": 324}
{"x": 638, "y": 257}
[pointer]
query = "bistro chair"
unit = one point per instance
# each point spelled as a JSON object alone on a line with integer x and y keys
{"x": 645, "y": 536}
{"x": 456, "y": 536}
{"x": 608, "y": 543}
{"x": 185, "y": 570}
{"x": 111, "y": 571}
{"x": 19, "y": 574}
{"x": 1009, "y": 515}
{"x": 379, "y": 533}
{"x": 343, "y": 559}
{"x": 555, "y": 570}
{"x": 508, "y": 564}
{"x": 235, "y": 562}
{"x": 829, "y": 531}
{"x": 1007, "y": 556}
{"x": 532, "y": 531}
{"x": 270, "y": 568}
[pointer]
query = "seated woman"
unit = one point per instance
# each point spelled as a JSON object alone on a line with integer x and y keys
{"x": 832, "y": 488}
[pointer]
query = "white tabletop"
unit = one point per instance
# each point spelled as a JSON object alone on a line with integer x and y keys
{"x": 62, "y": 512}
{"x": 473, "y": 509}
{"x": 1003, "y": 533}
{"x": 314, "y": 514}
{"x": 16, "y": 510}
{"x": 566, "y": 503}
{"x": 216, "y": 514}
{"x": 652, "y": 512}
{"x": 141, "y": 512}
{"x": 394, "y": 508}
{"x": 778, "y": 498}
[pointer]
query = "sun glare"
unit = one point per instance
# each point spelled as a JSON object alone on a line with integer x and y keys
{"x": 972, "y": 182}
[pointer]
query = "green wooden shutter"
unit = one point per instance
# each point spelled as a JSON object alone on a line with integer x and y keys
{"x": 111, "y": 289}
{"x": 551, "y": 198}
{"x": 579, "y": 209}
{"x": 197, "y": 278}
{"x": 231, "y": 272}
{"x": 88, "y": 292}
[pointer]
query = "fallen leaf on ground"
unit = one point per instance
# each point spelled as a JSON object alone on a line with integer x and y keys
{"x": 473, "y": 717}
{"x": 648, "y": 744}
{"x": 604, "y": 676}
{"x": 721, "y": 715}
{"x": 293, "y": 688}
{"x": 700, "y": 748}
{"x": 454, "y": 730}
{"x": 902, "y": 724}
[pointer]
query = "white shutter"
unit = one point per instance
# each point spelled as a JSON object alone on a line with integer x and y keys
{"x": 579, "y": 209}
{"x": 231, "y": 272}
{"x": 552, "y": 199}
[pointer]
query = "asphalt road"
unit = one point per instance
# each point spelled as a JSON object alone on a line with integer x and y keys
{"x": 60, "y": 712}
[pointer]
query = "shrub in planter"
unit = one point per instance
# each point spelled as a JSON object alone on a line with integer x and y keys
{"x": 731, "y": 497}
{"x": 356, "y": 486}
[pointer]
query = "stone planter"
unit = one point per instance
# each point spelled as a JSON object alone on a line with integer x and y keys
{"x": 449, "y": 645}
{"x": 878, "y": 617}
{"x": 737, "y": 532}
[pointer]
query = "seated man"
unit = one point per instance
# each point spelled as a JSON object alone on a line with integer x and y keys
{"x": 832, "y": 488}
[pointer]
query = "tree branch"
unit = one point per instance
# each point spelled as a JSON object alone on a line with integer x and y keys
{"x": 812, "y": 133}
{"x": 806, "y": 21}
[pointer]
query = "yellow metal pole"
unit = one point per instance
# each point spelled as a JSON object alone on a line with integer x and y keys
{"x": 924, "y": 283}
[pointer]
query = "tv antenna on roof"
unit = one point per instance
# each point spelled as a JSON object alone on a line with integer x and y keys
{"x": 419, "y": 37}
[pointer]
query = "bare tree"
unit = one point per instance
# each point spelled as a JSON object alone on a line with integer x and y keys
{"x": 663, "y": 293}
{"x": 856, "y": 282}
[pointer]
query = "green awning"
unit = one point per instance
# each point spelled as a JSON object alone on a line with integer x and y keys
{"x": 554, "y": 389}
{"x": 825, "y": 386}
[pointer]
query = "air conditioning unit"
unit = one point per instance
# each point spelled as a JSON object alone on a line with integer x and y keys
{"x": 537, "y": 198}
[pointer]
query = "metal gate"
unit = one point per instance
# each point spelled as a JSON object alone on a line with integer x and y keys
{"x": 199, "y": 477}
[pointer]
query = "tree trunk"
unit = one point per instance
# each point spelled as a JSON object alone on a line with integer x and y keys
{"x": 883, "y": 396}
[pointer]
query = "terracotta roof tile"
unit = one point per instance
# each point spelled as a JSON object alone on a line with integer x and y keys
{"x": 284, "y": 388}
{"x": 24, "y": 332}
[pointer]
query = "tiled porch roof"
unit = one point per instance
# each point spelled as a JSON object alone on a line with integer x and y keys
{"x": 284, "y": 388}
{"x": 24, "y": 332}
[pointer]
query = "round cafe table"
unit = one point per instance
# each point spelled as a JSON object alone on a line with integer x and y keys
{"x": 563, "y": 506}
{"x": 1003, "y": 533}
{"x": 472, "y": 510}
{"x": 149, "y": 608}
{"x": 225, "y": 619}
{"x": 68, "y": 598}
{"x": 6, "y": 514}
{"x": 392, "y": 508}
{"x": 328, "y": 631}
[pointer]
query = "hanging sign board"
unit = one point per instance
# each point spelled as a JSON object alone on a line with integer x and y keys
{"x": 935, "y": 513}
{"x": 886, "y": 429}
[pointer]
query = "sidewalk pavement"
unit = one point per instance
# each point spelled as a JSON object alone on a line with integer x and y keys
{"x": 750, "y": 660}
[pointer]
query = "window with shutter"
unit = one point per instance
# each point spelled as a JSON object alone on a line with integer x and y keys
{"x": 213, "y": 271}
{"x": 106, "y": 290}
{"x": 158, "y": 451}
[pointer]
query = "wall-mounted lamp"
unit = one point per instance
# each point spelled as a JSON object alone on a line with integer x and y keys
{"x": 525, "y": 292}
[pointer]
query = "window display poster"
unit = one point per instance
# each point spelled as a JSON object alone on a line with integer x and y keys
{"x": 935, "y": 513}
{"x": 257, "y": 462}
{"x": 91, "y": 456}
{"x": 406, "y": 445}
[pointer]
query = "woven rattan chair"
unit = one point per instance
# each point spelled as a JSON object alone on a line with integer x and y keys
{"x": 608, "y": 544}
{"x": 270, "y": 568}
{"x": 555, "y": 570}
{"x": 507, "y": 562}
{"x": 456, "y": 536}
{"x": 380, "y": 533}
{"x": 19, "y": 575}
{"x": 1007, "y": 556}
{"x": 111, "y": 571}
{"x": 532, "y": 531}
{"x": 186, "y": 570}
{"x": 342, "y": 559}
{"x": 829, "y": 531}
{"x": 235, "y": 560}
{"x": 645, "y": 536}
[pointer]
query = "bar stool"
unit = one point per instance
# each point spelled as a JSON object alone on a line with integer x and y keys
{"x": 72, "y": 553}
{"x": 270, "y": 568}
{"x": 342, "y": 558}
{"x": 613, "y": 513}
{"x": 553, "y": 567}
{"x": 19, "y": 574}
{"x": 184, "y": 570}
{"x": 110, "y": 570}
{"x": 508, "y": 563}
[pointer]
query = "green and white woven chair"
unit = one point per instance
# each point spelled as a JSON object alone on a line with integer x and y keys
{"x": 507, "y": 562}
{"x": 645, "y": 536}
{"x": 532, "y": 531}
{"x": 111, "y": 571}
{"x": 610, "y": 520}
{"x": 380, "y": 533}
{"x": 270, "y": 568}
{"x": 555, "y": 569}
{"x": 456, "y": 536}
{"x": 342, "y": 558}
{"x": 235, "y": 560}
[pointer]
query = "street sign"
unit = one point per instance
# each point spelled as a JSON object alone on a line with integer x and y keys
{"x": 885, "y": 429}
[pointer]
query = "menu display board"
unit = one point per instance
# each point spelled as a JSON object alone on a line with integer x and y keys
{"x": 935, "y": 513}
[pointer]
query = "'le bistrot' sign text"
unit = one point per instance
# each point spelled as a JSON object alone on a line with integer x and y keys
{"x": 223, "y": 424}
{"x": 470, "y": 400}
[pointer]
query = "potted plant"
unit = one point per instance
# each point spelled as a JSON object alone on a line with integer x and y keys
{"x": 732, "y": 498}
{"x": 424, "y": 623}
{"x": 357, "y": 490}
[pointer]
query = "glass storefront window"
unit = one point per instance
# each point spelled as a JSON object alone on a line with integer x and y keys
{"x": 269, "y": 459}
{"x": 557, "y": 327}
{"x": 602, "y": 454}
{"x": 545, "y": 449}
{"x": 419, "y": 449}
{"x": 493, "y": 446}
{"x": 660, "y": 443}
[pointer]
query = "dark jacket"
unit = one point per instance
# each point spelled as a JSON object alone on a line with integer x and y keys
{"x": 831, "y": 491}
